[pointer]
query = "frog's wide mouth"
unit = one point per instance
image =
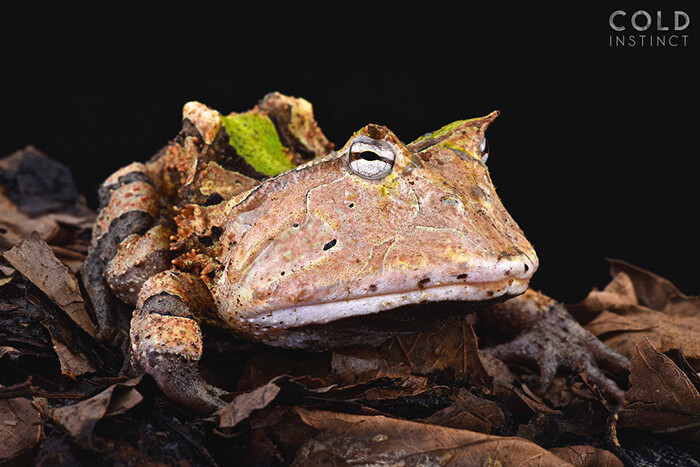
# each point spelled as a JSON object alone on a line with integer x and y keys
{"x": 325, "y": 312}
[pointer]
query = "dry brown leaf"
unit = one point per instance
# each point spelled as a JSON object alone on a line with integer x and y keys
{"x": 358, "y": 369}
{"x": 20, "y": 427}
{"x": 654, "y": 291}
{"x": 661, "y": 398}
{"x": 587, "y": 456}
{"x": 79, "y": 419}
{"x": 406, "y": 361}
{"x": 16, "y": 225}
{"x": 38, "y": 194}
{"x": 469, "y": 412}
{"x": 73, "y": 363}
{"x": 35, "y": 260}
{"x": 638, "y": 304}
{"x": 379, "y": 440}
{"x": 7, "y": 350}
{"x": 244, "y": 404}
{"x": 452, "y": 344}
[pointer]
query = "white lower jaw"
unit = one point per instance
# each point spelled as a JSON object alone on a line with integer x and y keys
{"x": 320, "y": 313}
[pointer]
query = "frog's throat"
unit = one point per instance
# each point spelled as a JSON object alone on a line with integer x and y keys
{"x": 320, "y": 313}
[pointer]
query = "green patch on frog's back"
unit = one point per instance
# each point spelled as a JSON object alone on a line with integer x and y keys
{"x": 256, "y": 140}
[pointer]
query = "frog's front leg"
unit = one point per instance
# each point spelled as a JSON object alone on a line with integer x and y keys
{"x": 166, "y": 340}
{"x": 549, "y": 336}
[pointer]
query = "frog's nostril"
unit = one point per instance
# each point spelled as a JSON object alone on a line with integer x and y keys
{"x": 530, "y": 264}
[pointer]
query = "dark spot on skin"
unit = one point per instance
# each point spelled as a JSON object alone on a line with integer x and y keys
{"x": 212, "y": 199}
{"x": 330, "y": 245}
{"x": 490, "y": 293}
{"x": 216, "y": 231}
{"x": 372, "y": 288}
{"x": 422, "y": 282}
{"x": 462, "y": 276}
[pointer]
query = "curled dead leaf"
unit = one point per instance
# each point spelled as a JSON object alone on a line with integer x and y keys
{"x": 244, "y": 404}
{"x": 38, "y": 194}
{"x": 35, "y": 260}
{"x": 661, "y": 398}
{"x": 469, "y": 412}
{"x": 638, "y": 304}
{"x": 73, "y": 362}
{"x": 79, "y": 419}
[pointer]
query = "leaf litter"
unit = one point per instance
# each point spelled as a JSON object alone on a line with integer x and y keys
{"x": 432, "y": 398}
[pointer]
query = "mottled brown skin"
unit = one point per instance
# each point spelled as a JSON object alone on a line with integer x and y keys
{"x": 196, "y": 236}
{"x": 156, "y": 242}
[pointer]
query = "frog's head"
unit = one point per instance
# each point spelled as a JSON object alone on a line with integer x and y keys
{"x": 373, "y": 226}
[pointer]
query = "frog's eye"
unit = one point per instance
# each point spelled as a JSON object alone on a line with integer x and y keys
{"x": 484, "y": 149}
{"x": 371, "y": 159}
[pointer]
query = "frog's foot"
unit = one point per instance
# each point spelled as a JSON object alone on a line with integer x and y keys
{"x": 166, "y": 341}
{"x": 550, "y": 337}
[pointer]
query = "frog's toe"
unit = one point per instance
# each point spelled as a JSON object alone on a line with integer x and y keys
{"x": 526, "y": 349}
{"x": 181, "y": 383}
{"x": 595, "y": 377}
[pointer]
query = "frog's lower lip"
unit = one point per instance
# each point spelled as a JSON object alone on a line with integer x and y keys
{"x": 326, "y": 312}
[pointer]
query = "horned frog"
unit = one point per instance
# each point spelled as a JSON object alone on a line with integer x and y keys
{"x": 252, "y": 223}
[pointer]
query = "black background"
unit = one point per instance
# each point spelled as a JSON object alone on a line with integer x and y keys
{"x": 594, "y": 153}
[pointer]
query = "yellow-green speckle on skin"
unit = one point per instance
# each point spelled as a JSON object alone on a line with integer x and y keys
{"x": 390, "y": 183}
{"x": 256, "y": 140}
